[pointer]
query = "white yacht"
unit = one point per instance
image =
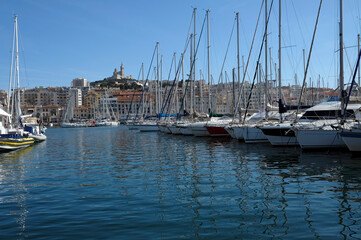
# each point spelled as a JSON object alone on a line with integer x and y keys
{"x": 319, "y": 127}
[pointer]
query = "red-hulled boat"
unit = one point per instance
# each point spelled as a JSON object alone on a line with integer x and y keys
{"x": 217, "y": 131}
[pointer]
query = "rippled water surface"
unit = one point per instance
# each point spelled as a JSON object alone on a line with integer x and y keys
{"x": 112, "y": 183}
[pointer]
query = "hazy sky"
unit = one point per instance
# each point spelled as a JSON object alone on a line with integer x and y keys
{"x": 65, "y": 39}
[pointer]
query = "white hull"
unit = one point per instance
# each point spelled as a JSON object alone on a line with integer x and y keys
{"x": 200, "y": 131}
{"x": 175, "y": 130}
{"x": 73, "y": 125}
{"x": 318, "y": 138}
{"x": 38, "y": 137}
{"x": 352, "y": 139}
{"x": 230, "y": 131}
{"x": 164, "y": 129}
{"x": 186, "y": 131}
{"x": 282, "y": 140}
{"x": 280, "y": 135}
{"x": 12, "y": 148}
{"x": 254, "y": 135}
{"x": 238, "y": 132}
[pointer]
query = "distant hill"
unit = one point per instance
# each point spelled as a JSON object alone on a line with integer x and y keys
{"x": 125, "y": 83}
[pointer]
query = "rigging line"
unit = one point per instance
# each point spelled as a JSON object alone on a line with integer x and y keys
{"x": 192, "y": 65}
{"x": 348, "y": 59}
{"x": 249, "y": 56}
{"x": 308, "y": 61}
{"x": 185, "y": 49}
{"x": 145, "y": 83}
{"x": 23, "y": 58}
{"x": 131, "y": 102}
{"x": 298, "y": 23}
{"x": 352, "y": 83}
{"x": 256, "y": 72}
{"x": 177, "y": 74}
{"x": 175, "y": 86}
{"x": 292, "y": 60}
{"x": 166, "y": 87}
{"x": 225, "y": 57}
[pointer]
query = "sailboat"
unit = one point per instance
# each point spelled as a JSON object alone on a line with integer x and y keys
{"x": 325, "y": 133}
{"x": 283, "y": 134}
{"x": 68, "y": 121}
{"x": 12, "y": 135}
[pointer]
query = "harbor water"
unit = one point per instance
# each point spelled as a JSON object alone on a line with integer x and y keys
{"x": 113, "y": 183}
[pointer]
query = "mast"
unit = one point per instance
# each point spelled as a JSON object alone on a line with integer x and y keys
{"x": 191, "y": 76}
{"x": 157, "y": 83}
{"x": 270, "y": 74}
{"x": 265, "y": 54}
{"x": 160, "y": 83}
{"x": 279, "y": 61}
{"x": 238, "y": 60}
{"x": 341, "y": 60}
{"x": 358, "y": 49}
{"x": 209, "y": 69}
{"x": 233, "y": 90}
{"x": 143, "y": 87}
{"x": 11, "y": 67}
{"x": 194, "y": 59}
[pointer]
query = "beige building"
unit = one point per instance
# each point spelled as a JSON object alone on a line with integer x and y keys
{"x": 81, "y": 113}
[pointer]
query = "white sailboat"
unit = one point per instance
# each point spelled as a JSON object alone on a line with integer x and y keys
{"x": 326, "y": 133}
{"x": 12, "y": 133}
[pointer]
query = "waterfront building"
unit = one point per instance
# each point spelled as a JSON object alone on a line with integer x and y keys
{"x": 81, "y": 113}
{"x": 45, "y": 96}
{"x": 52, "y": 113}
{"x": 80, "y": 83}
{"x": 75, "y": 96}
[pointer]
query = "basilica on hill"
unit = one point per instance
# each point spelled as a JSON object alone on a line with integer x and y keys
{"x": 119, "y": 75}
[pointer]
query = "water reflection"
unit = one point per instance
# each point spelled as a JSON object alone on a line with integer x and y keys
{"x": 151, "y": 185}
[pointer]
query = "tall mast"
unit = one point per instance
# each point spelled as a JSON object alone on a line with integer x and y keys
{"x": 265, "y": 54}
{"x": 11, "y": 67}
{"x": 279, "y": 60}
{"x": 341, "y": 60}
{"x": 209, "y": 69}
{"x": 143, "y": 88}
{"x": 238, "y": 60}
{"x": 157, "y": 82}
{"x": 191, "y": 75}
{"x": 194, "y": 59}
{"x": 358, "y": 50}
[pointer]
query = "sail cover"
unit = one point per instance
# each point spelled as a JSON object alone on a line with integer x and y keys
{"x": 4, "y": 114}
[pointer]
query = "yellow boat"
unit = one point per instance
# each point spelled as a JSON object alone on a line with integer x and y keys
{"x": 14, "y": 142}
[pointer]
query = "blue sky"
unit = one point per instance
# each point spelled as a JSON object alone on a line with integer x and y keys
{"x": 65, "y": 39}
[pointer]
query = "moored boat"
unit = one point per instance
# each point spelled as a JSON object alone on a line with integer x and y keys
{"x": 10, "y": 142}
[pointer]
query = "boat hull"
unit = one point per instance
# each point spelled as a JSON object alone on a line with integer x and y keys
{"x": 254, "y": 135}
{"x": 186, "y": 131}
{"x": 230, "y": 131}
{"x": 352, "y": 139}
{"x": 238, "y": 132}
{"x": 10, "y": 144}
{"x": 217, "y": 131}
{"x": 319, "y": 139}
{"x": 280, "y": 136}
